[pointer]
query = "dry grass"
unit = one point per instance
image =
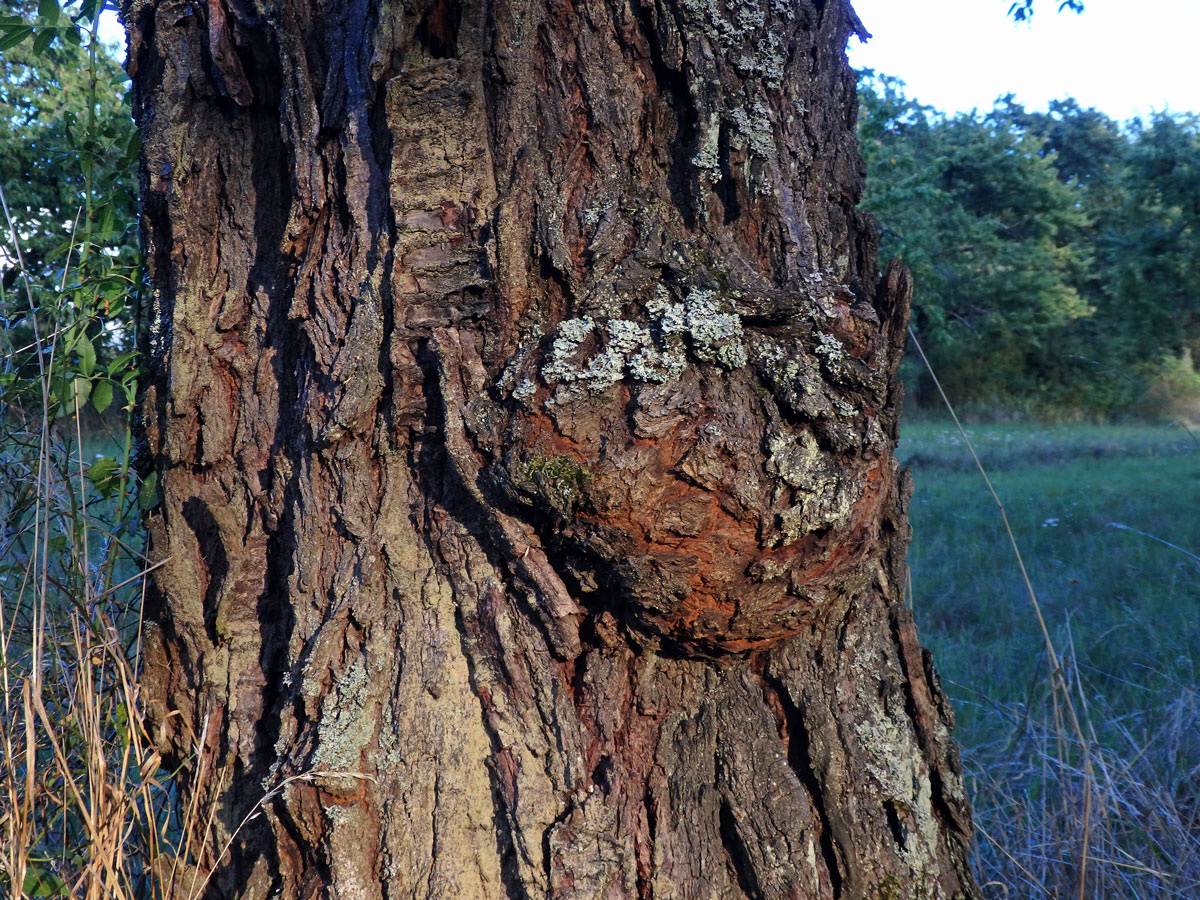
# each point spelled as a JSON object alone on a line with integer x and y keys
{"x": 81, "y": 792}
{"x": 1037, "y": 808}
{"x": 81, "y": 796}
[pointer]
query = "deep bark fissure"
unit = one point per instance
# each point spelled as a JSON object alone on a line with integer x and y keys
{"x": 736, "y": 855}
{"x": 796, "y": 744}
{"x": 437, "y": 31}
{"x": 645, "y": 887}
{"x": 726, "y": 187}
{"x": 677, "y": 93}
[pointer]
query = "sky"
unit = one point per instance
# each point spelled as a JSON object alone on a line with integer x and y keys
{"x": 1126, "y": 58}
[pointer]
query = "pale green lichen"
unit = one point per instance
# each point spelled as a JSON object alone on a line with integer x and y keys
{"x": 707, "y": 157}
{"x": 525, "y": 390}
{"x": 796, "y": 461}
{"x": 885, "y": 736}
{"x": 626, "y": 337}
{"x": 508, "y": 380}
{"x": 651, "y": 353}
{"x": 821, "y": 497}
{"x": 794, "y": 378}
{"x": 754, "y": 124}
{"x": 593, "y": 214}
{"x": 659, "y": 367}
{"x": 621, "y": 338}
{"x": 830, "y": 347}
{"x": 344, "y": 730}
{"x": 562, "y": 366}
{"x": 716, "y": 335}
{"x": 736, "y": 25}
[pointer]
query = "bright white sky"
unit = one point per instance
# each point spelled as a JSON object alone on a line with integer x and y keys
{"x": 1124, "y": 57}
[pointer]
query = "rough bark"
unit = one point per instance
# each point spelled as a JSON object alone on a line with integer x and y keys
{"x": 523, "y": 399}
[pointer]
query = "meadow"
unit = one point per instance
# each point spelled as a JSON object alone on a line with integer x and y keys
{"x": 1106, "y": 520}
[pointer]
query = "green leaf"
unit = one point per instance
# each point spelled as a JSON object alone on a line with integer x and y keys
{"x": 102, "y": 469}
{"x": 41, "y": 43}
{"x": 104, "y": 217}
{"x": 13, "y": 35}
{"x": 148, "y": 493}
{"x": 61, "y": 249}
{"x": 83, "y": 390}
{"x": 87, "y": 355}
{"x": 103, "y": 475}
{"x": 63, "y": 390}
{"x": 120, "y": 362}
{"x": 41, "y": 884}
{"x": 102, "y": 395}
{"x": 48, "y": 9}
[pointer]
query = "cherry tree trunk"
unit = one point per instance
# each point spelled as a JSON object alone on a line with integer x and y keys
{"x": 523, "y": 398}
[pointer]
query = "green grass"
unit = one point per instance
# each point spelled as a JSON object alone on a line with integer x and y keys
{"x": 1022, "y": 445}
{"x": 1123, "y": 610}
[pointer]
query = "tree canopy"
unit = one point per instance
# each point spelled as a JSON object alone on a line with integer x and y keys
{"x": 1053, "y": 252}
{"x": 68, "y": 152}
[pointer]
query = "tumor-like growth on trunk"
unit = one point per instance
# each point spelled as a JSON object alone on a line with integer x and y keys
{"x": 708, "y": 467}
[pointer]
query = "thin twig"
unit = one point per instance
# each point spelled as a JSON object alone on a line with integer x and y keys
{"x": 1055, "y": 667}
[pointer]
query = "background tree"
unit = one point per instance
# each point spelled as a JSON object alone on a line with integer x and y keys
{"x": 1148, "y": 251}
{"x": 522, "y": 388}
{"x": 981, "y": 217}
{"x": 68, "y": 153}
{"x": 1049, "y": 250}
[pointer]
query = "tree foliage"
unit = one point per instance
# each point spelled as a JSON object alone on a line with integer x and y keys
{"x": 1022, "y": 10}
{"x": 68, "y": 151}
{"x": 1053, "y": 252}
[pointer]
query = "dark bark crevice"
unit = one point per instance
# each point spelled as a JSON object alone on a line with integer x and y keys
{"x": 674, "y": 89}
{"x": 208, "y": 539}
{"x": 437, "y": 31}
{"x": 796, "y": 741}
{"x": 726, "y": 188}
{"x": 736, "y": 855}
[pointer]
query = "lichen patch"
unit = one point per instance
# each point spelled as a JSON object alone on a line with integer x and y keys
{"x": 588, "y": 357}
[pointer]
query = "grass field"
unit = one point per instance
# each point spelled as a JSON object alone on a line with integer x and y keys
{"x": 1094, "y": 511}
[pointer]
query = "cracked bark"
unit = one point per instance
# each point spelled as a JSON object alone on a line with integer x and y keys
{"x": 523, "y": 398}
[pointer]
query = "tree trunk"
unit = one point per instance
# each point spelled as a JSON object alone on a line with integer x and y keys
{"x": 523, "y": 399}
